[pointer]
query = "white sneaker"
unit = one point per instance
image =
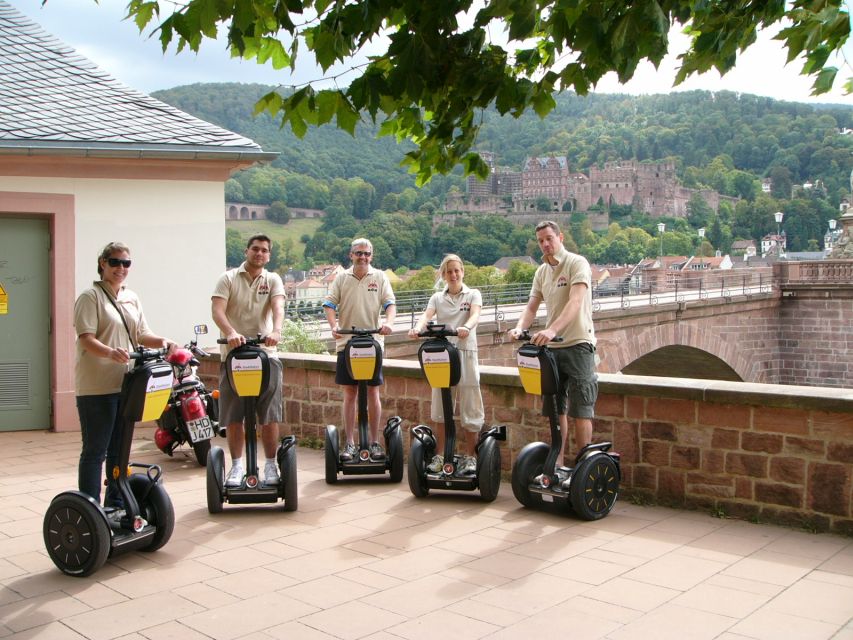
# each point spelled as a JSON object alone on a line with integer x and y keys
{"x": 469, "y": 465}
{"x": 235, "y": 477}
{"x": 271, "y": 473}
{"x": 436, "y": 465}
{"x": 350, "y": 452}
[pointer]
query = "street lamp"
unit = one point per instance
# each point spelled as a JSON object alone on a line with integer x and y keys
{"x": 778, "y": 215}
{"x": 661, "y": 229}
{"x": 831, "y": 236}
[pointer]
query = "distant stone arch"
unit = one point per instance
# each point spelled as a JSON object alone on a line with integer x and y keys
{"x": 655, "y": 345}
{"x": 244, "y": 213}
{"x": 233, "y": 213}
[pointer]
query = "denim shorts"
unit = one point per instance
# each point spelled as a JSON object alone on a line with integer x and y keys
{"x": 578, "y": 381}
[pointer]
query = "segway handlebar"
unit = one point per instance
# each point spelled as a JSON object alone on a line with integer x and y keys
{"x": 250, "y": 342}
{"x": 436, "y": 330}
{"x": 146, "y": 354}
{"x": 526, "y": 336}
{"x": 357, "y": 332}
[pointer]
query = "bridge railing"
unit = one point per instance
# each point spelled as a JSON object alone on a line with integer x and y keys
{"x": 822, "y": 271}
{"x": 650, "y": 287}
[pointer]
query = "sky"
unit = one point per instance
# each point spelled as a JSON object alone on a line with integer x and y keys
{"x": 100, "y": 33}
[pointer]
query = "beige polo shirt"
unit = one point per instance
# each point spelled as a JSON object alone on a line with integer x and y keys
{"x": 95, "y": 314}
{"x": 553, "y": 286}
{"x": 454, "y": 312}
{"x": 359, "y": 303}
{"x": 248, "y": 303}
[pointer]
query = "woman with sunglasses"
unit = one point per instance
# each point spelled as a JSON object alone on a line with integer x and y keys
{"x": 109, "y": 323}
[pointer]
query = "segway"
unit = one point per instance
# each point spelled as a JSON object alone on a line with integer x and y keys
{"x": 363, "y": 357}
{"x": 248, "y": 370}
{"x": 536, "y": 479}
{"x": 440, "y": 363}
{"x": 79, "y": 533}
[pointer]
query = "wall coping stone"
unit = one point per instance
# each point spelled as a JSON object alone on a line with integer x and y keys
{"x": 716, "y": 391}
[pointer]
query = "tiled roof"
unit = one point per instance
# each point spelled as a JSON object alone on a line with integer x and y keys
{"x": 53, "y": 99}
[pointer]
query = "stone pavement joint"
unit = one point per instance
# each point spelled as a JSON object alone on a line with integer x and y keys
{"x": 366, "y": 559}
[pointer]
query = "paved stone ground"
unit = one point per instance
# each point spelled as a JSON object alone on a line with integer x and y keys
{"x": 365, "y": 559}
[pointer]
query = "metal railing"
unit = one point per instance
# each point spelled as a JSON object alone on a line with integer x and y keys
{"x": 651, "y": 288}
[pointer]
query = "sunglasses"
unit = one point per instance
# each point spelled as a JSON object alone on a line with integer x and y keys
{"x": 362, "y": 254}
{"x": 114, "y": 262}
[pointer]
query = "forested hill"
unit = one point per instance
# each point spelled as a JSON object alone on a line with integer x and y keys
{"x": 324, "y": 153}
{"x": 694, "y": 127}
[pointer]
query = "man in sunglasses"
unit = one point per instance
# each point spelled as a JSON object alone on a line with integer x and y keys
{"x": 357, "y": 298}
{"x": 249, "y": 301}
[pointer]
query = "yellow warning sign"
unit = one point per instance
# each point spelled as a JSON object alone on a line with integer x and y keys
{"x": 4, "y": 301}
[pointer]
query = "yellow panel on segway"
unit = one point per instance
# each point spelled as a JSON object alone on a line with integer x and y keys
{"x": 530, "y": 372}
{"x": 247, "y": 375}
{"x": 156, "y": 396}
{"x": 362, "y": 361}
{"x": 436, "y": 366}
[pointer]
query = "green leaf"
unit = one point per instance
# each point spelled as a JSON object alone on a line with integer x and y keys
{"x": 327, "y": 103}
{"x": 347, "y": 116}
{"x": 824, "y": 81}
{"x": 272, "y": 48}
{"x": 142, "y": 12}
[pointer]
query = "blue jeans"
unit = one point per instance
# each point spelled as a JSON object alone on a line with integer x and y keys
{"x": 101, "y": 431}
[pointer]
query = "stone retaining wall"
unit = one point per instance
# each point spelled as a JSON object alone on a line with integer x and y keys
{"x": 756, "y": 451}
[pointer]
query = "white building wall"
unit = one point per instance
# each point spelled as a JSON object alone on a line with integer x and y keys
{"x": 176, "y": 234}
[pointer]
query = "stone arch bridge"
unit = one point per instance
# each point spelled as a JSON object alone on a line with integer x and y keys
{"x": 797, "y": 331}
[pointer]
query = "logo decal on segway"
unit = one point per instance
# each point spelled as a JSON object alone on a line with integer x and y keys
{"x": 436, "y": 365}
{"x": 247, "y": 374}
{"x": 530, "y": 372}
{"x": 157, "y": 393}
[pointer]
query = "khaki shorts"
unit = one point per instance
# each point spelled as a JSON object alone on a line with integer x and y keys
{"x": 268, "y": 404}
{"x": 578, "y": 381}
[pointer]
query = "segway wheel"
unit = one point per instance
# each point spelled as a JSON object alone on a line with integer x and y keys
{"x": 528, "y": 465}
{"x": 489, "y": 470}
{"x": 394, "y": 447}
{"x": 417, "y": 464}
{"x": 287, "y": 469}
{"x": 76, "y": 534}
{"x": 594, "y": 487}
{"x": 155, "y": 506}
{"x": 201, "y": 451}
{"x": 331, "y": 449}
{"x": 215, "y": 480}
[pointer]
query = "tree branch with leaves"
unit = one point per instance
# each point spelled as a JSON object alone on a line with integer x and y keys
{"x": 441, "y": 68}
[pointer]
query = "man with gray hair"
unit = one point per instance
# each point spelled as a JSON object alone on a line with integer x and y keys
{"x": 357, "y": 298}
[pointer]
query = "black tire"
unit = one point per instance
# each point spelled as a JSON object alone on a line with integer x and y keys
{"x": 156, "y": 507}
{"x": 201, "y": 450}
{"x": 417, "y": 464}
{"x": 594, "y": 487}
{"x": 76, "y": 534}
{"x": 489, "y": 470}
{"x": 394, "y": 447}
{"x": 528, "y": 465}
{"x": 331, "y": 449}
{"x": 215, "y": 480}
{"x": 287, "y": 469}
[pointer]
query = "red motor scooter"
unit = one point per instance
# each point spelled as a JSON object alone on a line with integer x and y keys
{"x": 192, "y": 412}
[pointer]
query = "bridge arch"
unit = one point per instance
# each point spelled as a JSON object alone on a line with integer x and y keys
{"x": 669, "y": 349}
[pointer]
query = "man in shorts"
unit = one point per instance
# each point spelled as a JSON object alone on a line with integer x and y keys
{"x": 248, "y": 301}
{"x": 564, "y": 282}
{"x": 357, "y": 299}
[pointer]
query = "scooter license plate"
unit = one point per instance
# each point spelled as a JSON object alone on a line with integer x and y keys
{"x": 200, "y": 429}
